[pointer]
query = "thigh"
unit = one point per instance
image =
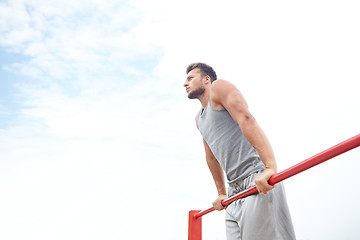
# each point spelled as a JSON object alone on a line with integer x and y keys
{"x": 232, "y": 227}
{"x": 266, "y": 216}
{"x": 257, "y": 220}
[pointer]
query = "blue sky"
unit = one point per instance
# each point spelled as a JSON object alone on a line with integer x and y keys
{"x": 97, "y": 136}
{"x": 10, "y": 103}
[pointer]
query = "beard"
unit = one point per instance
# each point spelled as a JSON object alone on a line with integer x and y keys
{"x": 196, "y": 93}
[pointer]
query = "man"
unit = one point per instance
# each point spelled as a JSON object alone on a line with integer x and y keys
{"x": 235, "y": 144}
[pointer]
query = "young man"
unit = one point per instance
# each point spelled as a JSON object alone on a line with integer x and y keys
{"x": 235, "y": 144}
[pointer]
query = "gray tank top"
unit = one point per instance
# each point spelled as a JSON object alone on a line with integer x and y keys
{"x": 236, "y": 155}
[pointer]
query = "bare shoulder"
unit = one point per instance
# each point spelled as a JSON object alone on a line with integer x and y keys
{"x": 225, "y": 94}
{"x": 221, "y": 89}
{"x": 221, "y": 83}
{"x": 221, "y": 86}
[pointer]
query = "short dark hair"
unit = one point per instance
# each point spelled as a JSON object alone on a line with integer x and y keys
{"x": 204, "y": 68}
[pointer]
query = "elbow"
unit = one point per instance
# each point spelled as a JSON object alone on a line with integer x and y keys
{"x": 210, "y": 159}
{"x": 246, "y": 118}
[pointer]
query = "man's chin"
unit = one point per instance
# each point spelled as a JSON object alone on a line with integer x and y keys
{"x": 196, "y": 93}
{"x": 192, "y": 96}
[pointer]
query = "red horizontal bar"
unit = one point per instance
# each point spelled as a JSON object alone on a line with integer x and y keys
{"x": 332, "y": 152}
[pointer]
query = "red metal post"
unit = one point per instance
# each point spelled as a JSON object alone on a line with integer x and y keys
{"x": 334, "y": 151}
{"x": 194, "y": 226}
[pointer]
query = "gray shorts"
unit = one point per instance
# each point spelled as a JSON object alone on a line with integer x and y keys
{"x": 260, "y": 216}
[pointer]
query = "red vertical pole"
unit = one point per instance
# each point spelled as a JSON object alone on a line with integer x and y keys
{"x": 194, "y": 226}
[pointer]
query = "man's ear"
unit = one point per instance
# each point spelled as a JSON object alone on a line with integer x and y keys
{"x": 207, "y": 79}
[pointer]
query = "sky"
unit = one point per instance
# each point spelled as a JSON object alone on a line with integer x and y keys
{"x": 97, "y": 135}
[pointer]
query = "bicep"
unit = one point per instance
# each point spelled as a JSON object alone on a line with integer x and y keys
{"x": 238, "y": 108}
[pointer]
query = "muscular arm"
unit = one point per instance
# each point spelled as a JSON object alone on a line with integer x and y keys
{"x": 216, "y": 170}
{"x": 226, "y": 95}
{"x": 218, "y": 176}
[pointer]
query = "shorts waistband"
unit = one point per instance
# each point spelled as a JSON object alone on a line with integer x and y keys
{"x": 245, "y": 180}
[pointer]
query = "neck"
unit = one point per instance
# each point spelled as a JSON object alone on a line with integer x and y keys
{"x": 204, "y": 98}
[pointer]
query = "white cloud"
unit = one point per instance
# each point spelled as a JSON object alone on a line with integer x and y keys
{"x": 70, "y": 39}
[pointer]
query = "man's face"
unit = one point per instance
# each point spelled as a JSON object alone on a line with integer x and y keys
{"x": 194, "y": 83}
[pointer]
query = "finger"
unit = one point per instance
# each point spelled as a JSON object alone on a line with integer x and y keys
{"x": 269, "y": 188}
